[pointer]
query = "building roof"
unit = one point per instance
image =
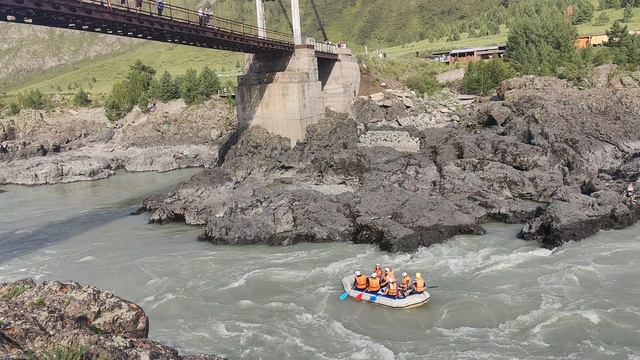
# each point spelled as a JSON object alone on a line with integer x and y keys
{"x": 486, "y": 48}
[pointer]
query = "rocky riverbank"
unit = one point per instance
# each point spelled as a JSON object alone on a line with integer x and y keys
{"x": 65, "y": 320}
{"x": 38, "y": 148}
{"x": 403, "y": 172}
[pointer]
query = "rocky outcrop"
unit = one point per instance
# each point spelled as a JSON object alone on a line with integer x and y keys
{"x": 544, "y": 153}
{"x": 66, "y": 317}
{"x": 83, "y": 145}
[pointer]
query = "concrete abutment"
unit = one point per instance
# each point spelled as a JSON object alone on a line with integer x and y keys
{"x": 287, "y": 93}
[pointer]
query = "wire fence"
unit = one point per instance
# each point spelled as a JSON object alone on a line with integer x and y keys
{"x": 188, "y": 16}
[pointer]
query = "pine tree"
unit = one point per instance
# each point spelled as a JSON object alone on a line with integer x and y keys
{"x": 208, "y": 83}
{"x": 167, "y": 88}
{"x": 189, "y": 87}
{"x": 541, "y": 44}
{"x": 628, "y": 13}
{"x": 602, "y": 19}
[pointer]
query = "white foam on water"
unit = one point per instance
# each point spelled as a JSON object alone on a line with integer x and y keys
{"x": 591, "y": 315}
{"x": 86, "y": 258}
{"x": 244, "y": 304}
{"x": 242, "y": 280}
{"x": 370, "y": 349}
{"x": 164, "y": 298}
{"x": 508, "y": 261}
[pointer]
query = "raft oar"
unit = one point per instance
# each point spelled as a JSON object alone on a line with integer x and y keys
{"x": 432, "y": 287}
{"x": 359, "y": 296}
{"x": 344, "y": 296}
{"x": 373, "y": 298}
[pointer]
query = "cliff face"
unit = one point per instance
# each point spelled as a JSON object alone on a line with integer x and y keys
{"x": 404, "y": 173}
{"x": 43, "y": 319}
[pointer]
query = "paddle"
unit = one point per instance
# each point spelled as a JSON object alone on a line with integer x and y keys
{"x": 343, "y": 296}
{"x": 432, "y": 287}
{"x": 359, "y": 296}
{"x": 373, "y": 298}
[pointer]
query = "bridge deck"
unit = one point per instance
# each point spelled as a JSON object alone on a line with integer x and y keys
{"x": 176, "y": 25}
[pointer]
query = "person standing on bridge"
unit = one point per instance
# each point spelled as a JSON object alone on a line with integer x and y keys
{"x": 200, "y": 17}
{"x": 209, "y": 13}
{"x": 160, "y": 7}
{"x": 138, "y": 6}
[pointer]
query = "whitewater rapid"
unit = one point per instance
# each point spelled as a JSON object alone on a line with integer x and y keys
{"x": 497, "y": 298}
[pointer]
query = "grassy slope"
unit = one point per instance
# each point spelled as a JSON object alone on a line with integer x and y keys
{"x": 109, "y": 69}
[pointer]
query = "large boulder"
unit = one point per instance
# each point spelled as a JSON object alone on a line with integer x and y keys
{"x": 54, "y": 316}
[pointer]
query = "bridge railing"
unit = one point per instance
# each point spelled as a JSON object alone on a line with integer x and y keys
{"x": 189, "y": 16}
{"x": 321, "y": 47}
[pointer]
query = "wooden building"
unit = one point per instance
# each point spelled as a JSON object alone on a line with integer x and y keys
{"x": 487, "y": 53}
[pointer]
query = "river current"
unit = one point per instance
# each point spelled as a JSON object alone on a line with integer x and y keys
{"x": 497, "y": 298}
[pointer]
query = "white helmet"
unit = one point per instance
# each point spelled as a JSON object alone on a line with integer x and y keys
{"x": 357, "y": 273}
{"x": 387, "y": 269}
{"x": 404, "y": 274}
{"x": 374, "y": 275}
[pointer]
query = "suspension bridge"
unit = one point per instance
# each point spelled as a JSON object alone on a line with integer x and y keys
{"x": 290, "y": 79}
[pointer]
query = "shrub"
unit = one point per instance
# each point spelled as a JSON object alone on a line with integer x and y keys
{"x": 113, "y": 110}
{"x": 14, "y": 108}
{"x": 66, "y": 353}
{"x": 15, "y": 291}
{"x": 81, "y": 98}
{"x": 424, "y": 83}
{"x": 483, "y": 77}
{"x": 34, "y": 99}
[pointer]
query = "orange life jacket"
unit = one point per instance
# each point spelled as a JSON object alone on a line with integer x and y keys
{"x": 406, "y": 281}
{"x": 393, "y": 289}
{"x": 420, "y": 285}
{"x": 361, "y": 282}
{"x": 374, "y": 285}
{"x": 388, "y": 276}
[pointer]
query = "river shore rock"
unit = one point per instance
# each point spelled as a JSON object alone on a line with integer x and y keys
{"x": 41, "y": 319}
{"x": 542, "y": 153}
{"x": 37, "y": 148}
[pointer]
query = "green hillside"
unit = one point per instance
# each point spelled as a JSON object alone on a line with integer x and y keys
{"x": 400, "y": 28}
{"x": 97, "y": 76}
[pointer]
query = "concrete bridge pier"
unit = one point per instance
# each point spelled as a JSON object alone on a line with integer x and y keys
{"x": 287, "y": 93}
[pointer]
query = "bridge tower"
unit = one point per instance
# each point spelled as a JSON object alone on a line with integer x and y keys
{"x": 285, "y": 93}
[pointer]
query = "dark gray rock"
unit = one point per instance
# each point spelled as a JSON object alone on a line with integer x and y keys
{"x": 545, "y": 154}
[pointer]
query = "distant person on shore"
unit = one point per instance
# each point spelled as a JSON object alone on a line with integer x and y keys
{"x": 200, "y": 17}
{"x": 138, "y": 6}
{"x": 160, "y": 7}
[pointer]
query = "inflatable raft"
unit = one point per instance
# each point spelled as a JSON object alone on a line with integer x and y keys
{"x": 410, "y": 301}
